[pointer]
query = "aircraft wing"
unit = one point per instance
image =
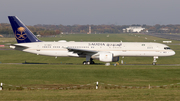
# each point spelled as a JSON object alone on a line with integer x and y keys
{"x": 81, "y": 51}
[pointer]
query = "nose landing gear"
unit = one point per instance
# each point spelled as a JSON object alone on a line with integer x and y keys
{"x": 154, "y": 61}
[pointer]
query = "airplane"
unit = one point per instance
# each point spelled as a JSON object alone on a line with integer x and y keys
{"x": 103, "y": 51}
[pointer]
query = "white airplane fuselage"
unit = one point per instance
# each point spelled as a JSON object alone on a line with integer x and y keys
{"x": 59, "y": 49}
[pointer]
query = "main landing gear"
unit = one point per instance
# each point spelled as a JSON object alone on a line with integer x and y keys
{"x": 154, "y": 61}
{"x": 88, "y": 60}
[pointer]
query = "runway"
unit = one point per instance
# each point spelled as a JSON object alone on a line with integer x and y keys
{"x": 166, "y": 36}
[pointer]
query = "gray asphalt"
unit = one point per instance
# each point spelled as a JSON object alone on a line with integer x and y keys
{"x": 166, "y": 36}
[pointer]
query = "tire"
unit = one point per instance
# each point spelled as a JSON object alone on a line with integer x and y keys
{"x": 84, "y": 62}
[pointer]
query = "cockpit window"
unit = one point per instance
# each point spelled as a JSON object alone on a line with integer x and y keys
{"x": 167, "y": 48}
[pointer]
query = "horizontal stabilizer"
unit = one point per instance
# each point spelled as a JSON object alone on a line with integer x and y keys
{"x": 18, "y": 47}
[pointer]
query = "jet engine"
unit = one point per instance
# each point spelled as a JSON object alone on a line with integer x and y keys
{"x": 107, "y": 57}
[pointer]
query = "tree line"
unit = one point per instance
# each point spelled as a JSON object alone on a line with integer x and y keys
{"x": 45, "y": 30}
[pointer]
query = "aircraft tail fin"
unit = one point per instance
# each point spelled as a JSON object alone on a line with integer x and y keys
{"x": 21, "y": 32}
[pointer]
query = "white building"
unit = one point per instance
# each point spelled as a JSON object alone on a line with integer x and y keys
{"x": 135, "y": 29}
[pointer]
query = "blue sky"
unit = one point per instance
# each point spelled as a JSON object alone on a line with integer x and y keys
{"x": 97, "y": 12}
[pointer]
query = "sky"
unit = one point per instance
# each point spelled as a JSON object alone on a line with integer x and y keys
{"x": 92, "y": 12}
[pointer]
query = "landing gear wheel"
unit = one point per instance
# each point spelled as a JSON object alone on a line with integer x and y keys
{"x": 154, "y": 60}
{"x": 92, "y": 62}
{"x": 86, "y": 62}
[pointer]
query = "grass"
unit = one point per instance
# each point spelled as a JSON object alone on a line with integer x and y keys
{"x": 45, "y": 75}
{"x": 66, "y": 72}
{"x": 103, "y": 38}
{"x": 114, "y": 94}
{"x": 27, "y": 74}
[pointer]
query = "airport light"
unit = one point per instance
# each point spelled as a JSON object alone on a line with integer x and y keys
{"x": 1, "y": 86}
{"x": 97, "y": 85}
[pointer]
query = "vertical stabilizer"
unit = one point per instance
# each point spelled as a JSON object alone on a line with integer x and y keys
{"x": 21, "y": 32}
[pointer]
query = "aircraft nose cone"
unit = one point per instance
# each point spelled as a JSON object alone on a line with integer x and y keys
{"x": 173, "y": 53}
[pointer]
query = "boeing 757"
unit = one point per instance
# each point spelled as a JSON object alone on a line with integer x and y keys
{"x": 103, "y": 51}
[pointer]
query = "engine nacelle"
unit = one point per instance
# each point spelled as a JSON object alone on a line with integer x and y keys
{"x": 107, "y": 57}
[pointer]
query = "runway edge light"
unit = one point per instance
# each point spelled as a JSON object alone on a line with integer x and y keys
{"x": 97, "y": 85}
{"x": 1, "y": 88}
